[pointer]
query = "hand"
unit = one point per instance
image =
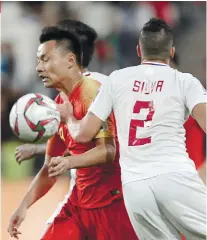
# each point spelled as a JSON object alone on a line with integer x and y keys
{"x": 16, "y": 219}
{"x": 58, "y": 166}
{"x": 25, "y": 152}
{"x": 65, "y": 109}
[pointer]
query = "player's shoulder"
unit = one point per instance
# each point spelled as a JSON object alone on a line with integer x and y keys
{"x": 119, "y": 78}
{"x": 89, "y": 87}
{"x": 124, "y": 71}
{"x": 183, "y": 76}
{"x": 90, "y": 82}
{"x": 96, "y": 76}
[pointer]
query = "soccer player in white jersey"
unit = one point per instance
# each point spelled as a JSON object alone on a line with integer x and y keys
{"x": 163, "y": 193}
{"x": 87, "y": 37}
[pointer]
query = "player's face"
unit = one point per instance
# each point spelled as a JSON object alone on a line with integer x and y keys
{"x": 53, "y": 64}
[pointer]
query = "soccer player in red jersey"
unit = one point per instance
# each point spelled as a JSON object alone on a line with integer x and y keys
{"x": 95, "y": 209}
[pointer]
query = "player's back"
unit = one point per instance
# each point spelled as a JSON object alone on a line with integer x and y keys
{"x": 150, "y": 105}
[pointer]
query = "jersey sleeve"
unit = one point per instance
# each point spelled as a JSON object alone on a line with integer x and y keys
{"x": 108, "y": 128}
{"x": 102, "y": 106}
{"x": 194, "y": 92}
{"x": 55, "y": 146}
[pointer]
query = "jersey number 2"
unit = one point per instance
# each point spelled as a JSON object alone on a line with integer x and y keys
{"x": 133, "y": 140}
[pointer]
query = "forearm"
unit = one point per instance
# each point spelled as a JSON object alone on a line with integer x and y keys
{"x": 96, "y": 156}
{"x": 40, "y": 149}
{"x": 74, "y": 126}
{"x": 84, "y": 130}
{"x": 38, "y": 188}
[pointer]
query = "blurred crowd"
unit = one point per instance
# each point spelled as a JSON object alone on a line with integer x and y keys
{"x": 118, "y": 25}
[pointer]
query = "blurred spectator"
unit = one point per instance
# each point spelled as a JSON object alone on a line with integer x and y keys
{"x": 7, "y": 64}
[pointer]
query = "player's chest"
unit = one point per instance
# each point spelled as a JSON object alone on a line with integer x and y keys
{"x": 65, "y": 135}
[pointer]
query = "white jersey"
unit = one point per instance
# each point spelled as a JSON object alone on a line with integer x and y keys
{"x": 150, "y": 103}
{"x": 100, "y": 78}
{"x": 96, "y": 76}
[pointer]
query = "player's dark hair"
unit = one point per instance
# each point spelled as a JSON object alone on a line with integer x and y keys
{"x": 68, "y": 40}
{"x": 156, "y": 40}
{"x": 86, "y": 34}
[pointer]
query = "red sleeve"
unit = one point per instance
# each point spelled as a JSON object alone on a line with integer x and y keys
{"x": 55, "y": 146}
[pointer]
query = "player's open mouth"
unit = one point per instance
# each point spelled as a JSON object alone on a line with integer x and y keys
{"x": 45, "y": 79}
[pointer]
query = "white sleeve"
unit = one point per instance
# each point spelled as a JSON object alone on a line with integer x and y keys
{"x": 102, "y": 105}
{"x": 194, "y": 92}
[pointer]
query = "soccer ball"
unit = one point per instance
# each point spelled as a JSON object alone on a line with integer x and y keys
{"x": 34, "y": 118}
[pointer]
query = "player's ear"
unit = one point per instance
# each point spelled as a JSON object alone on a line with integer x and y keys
{"x": 139, "y": 53}
{"x": 172, "y": 52}
{"x": 71, "y": 59}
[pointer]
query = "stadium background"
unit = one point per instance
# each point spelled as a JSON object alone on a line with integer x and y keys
{"x": 118, "y": 25}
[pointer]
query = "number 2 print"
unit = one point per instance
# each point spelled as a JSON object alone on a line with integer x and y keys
{"x": 135, "y": 123}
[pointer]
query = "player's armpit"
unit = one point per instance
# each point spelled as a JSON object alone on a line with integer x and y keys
{"x": 199, "y": 113}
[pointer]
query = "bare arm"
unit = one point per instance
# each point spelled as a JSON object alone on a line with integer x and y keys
{"x": 199, "y": 113}
{"x": 86, "y": 129}
{"x": 38, "y": 188}
{"x": 103, "y": 153}
{"x": 41, "y": 184}
{"x": 27, "y": 151}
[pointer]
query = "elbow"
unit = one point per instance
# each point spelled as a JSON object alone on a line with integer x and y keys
{"x": 111, "y": 153}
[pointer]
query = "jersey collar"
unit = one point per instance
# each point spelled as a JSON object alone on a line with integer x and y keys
{"x": 86, "y": 74}
{"x": 155, "y": 64}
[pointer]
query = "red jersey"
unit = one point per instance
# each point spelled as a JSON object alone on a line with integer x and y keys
{"x": 195, "y": 141}
{"x": 95, "y": 186}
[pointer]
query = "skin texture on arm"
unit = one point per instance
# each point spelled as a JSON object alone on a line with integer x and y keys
{"x": 41, "y": 184}
{"x": 199, "y": 113}
{"x": 103, "y": 153}
{"x": 85, "y": 130}
{"x": 27, "y": 151}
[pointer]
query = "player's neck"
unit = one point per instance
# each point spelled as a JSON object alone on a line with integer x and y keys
{"x": 157, "y": 61}
{"x": 70, "y": 83}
